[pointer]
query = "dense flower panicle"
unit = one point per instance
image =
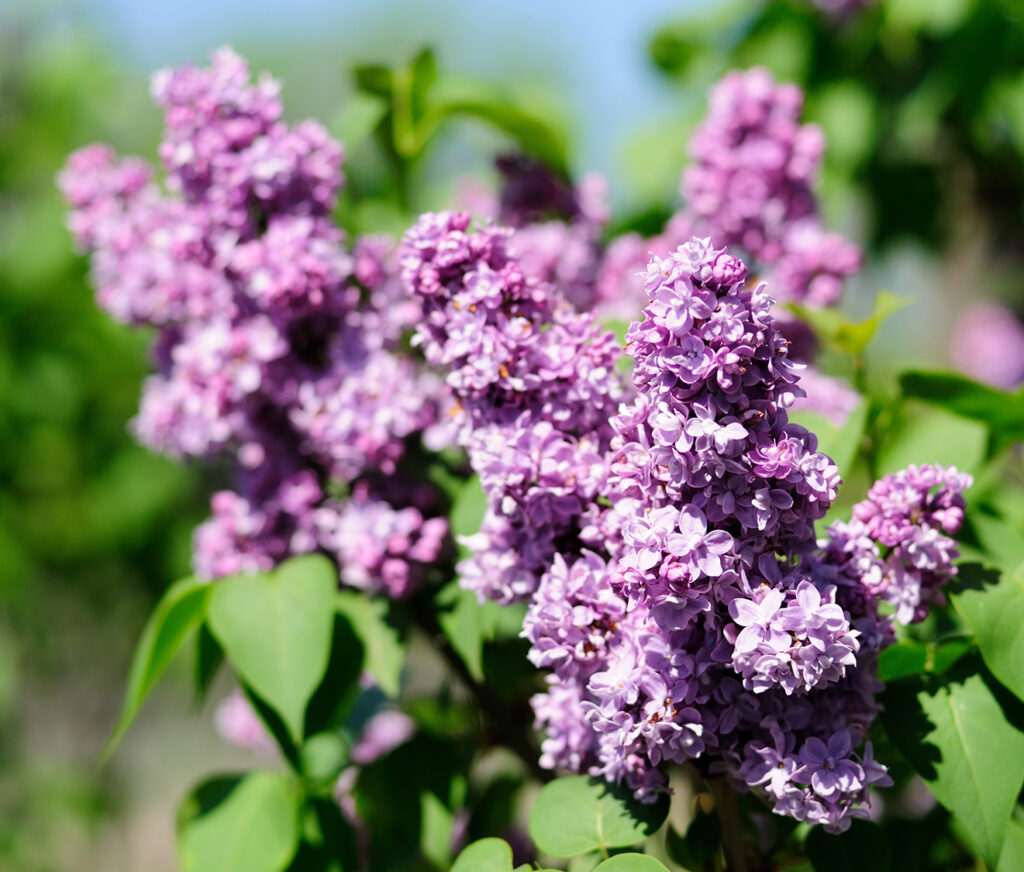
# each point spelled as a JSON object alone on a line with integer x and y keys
{"x": 899, "y": 538}
{"x": 536, "y": 384}
{"x": 750, "y": 186}
{"x": 357, "y": 414}
{"x": 717, "y": 628}
{"x": 754, "y": 164}
{"x": 256, "y": 530}
{"x": 279, "y": 348}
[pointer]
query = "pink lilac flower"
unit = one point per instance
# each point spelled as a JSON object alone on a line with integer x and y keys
{"x": 988, "y": 345}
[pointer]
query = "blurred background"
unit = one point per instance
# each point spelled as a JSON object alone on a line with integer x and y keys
{"x": 922, "y": 103}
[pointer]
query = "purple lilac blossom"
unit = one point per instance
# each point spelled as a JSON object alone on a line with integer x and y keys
{"x": 988, "y": 345}
{"x": 713, "y": 626}
{"x": 750, "y": 187}
{"x": 280, "y": 348}
{"x": 535, "y": 385}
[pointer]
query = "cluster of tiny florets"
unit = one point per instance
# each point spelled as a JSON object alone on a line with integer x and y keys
{"x": 279, "y": 346}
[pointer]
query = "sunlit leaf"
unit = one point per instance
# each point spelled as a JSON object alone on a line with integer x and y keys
{"x": 276, "y": 628}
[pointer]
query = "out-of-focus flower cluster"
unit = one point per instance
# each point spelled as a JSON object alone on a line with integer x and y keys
{"x": 279, "y": 347}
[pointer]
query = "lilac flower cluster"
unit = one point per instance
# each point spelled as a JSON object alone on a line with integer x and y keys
{"x": 705, "y": 622}
{"x": 750, "y": 187}
{"x": 898, "y": 541}
{"x": 988, "y": 345}
{"x": 279, "y": 348}
{"x": 535, "y": 385}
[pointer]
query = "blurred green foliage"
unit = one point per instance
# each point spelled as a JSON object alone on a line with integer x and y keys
{"x": 921, "y": 101}
{"x": 91, "y": 524}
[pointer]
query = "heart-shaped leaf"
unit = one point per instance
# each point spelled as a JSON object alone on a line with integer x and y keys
{"x": 631, "y": 863}
{"x": 275, "y": 628}
{"x": 577, "y": 814}
{"x": 485, "y": 855}
{"x": 254, "y": 828}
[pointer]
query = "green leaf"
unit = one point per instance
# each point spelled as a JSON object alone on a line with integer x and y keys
{"x": 209, "y": 657}
{"x": 323, "y": 756}
{"x": 374, "y": 79}
{"x": 577, "y": 814}
{"x": 276, "y": 630}
{"x": 631, "y": 863}
{"x": 382, "y": 643}
{"x": 1002, "y": 412}
{"x": 932, "y": 435}
{"x": 459, "y": 615}
{"x": 436, "y": 830}
{"x": 333, "y": 700}
{"x": 700, "y": 845}
{"x": 863, "y": 846}
{"x": 254, "y": 828}
{"x": 485, "y": 855}
{"x": 179, "y": 612}
{"x": 357, "y": 119}
{"x": 1012, "y": 858}
{"x": 905, "y": 659}
{"x": 838, "y": 331}
{"x": 468, "y": 509}
{"x": 995, "y": 614}
{"x": 959, "y": 740}
{"x": 487, "y": 103}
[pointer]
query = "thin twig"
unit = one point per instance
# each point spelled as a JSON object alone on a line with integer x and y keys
{"x": 728, "y": 810}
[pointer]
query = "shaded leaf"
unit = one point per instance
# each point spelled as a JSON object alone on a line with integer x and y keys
{"x": 863, "y": 846}
{"x": 576, "y": 814}
{"x": 382, "y": 643}
{"x": 1001, "y": 411}
{"x": 253, "y": 828}
{"x": 995, "y": 614}
{"x": 339, "y": 690}
{"x": 459, "y": 614}
{"x": 209, "y": 657}
{"x": 959, "y": 740}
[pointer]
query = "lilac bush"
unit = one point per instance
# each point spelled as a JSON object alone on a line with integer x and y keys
{"x": 690, "y": 599}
